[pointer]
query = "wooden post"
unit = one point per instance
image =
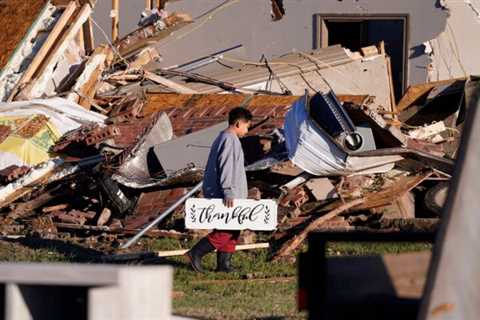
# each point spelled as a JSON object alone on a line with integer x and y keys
{"x": 115, "y": 19}
{"x": 148, "y": 4}
{"x": 159, "y": 4}
{"x": 88, "y": 34}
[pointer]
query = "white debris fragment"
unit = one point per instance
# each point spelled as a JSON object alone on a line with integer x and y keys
{"x": 428, "y": 132}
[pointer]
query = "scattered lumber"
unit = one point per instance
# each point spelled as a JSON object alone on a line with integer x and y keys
{"x": 241, "y": 247}
{"x": 292, "y": 245}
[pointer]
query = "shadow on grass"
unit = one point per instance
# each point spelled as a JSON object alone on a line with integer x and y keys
{"x": 77, "y": 253}
{"x": 73, "y": 252}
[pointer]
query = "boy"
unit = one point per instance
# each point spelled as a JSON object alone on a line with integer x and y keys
{"x": 224, "y": 178}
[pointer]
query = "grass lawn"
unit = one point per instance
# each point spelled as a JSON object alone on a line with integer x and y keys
{"x": 259, "y": 290}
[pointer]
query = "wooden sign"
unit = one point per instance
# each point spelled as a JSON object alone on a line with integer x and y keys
{"x": 201, "y": 213}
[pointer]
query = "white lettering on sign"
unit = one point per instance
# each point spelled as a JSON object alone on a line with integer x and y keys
{"x": 201, "y": 213}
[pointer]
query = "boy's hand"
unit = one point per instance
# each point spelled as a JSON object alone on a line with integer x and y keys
{"x": 227, "y": 202}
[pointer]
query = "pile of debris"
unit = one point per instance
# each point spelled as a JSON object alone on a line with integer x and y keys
{"x": 97, "y": 142}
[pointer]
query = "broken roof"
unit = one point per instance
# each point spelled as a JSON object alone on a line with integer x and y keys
{"x": 332, "y": 68}
{"x": 17, "y": 18}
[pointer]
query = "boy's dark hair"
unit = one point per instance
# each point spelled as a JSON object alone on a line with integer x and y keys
{"x": 239, "y": 113}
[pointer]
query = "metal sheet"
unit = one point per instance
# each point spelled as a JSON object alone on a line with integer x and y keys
{"x": 309, "y": 147}
{"x": 188, "y": 151}
{"x": 136, "y": 168}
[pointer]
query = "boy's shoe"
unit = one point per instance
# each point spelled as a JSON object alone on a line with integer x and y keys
{"x": 196, "y": 254}
{"x": 224, "y": 263}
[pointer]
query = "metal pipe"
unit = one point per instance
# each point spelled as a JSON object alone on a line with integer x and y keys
{"x": 162, "y": 216}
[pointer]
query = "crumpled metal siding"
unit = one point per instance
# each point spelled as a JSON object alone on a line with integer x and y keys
{"x": 309, "y": 147}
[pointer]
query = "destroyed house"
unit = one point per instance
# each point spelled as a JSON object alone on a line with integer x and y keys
{"x": 426, "y": 40}
{"x": 105, "y": 136}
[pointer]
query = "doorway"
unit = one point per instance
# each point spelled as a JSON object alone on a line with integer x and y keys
{"x": 355, "y": 32}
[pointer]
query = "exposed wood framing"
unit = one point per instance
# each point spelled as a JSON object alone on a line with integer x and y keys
{"x": 45, "y": 49}
{"x": 38, "y": 85}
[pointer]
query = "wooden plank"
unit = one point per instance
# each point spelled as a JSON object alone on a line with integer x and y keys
{"x": 173, "y": 253}
{"x": 393, "y": 105}
{"x": 44, "y": 50}
{"x": 168, "y": 83}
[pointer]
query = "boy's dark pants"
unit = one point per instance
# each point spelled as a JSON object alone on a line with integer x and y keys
{"x": 224, "y": 240}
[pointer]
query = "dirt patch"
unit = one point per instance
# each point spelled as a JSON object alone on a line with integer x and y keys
{"x": 17, "y": 16}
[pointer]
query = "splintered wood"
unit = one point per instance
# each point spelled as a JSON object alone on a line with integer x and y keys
{"x": 292, "y": 245}
{"x": 372, "y": 200}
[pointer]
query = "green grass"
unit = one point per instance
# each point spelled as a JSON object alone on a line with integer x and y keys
{"x": 259, "y": 290}
{"x": 241, "y": 295}
{"x": 226, "y": 296}
{"x": 374, "y": 248}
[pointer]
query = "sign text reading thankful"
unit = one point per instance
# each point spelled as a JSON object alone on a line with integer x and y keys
{"x": 203, "y": 213}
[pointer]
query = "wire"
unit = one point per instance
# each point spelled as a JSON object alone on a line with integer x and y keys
{"x": 209, "y": 17}
{"x": 261, "y": 64}
{"x": 329, "y": 66}
{"x": 110, "y": 43}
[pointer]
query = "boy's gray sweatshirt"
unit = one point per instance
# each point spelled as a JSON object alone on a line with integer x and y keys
{"x": 225, "y": 172}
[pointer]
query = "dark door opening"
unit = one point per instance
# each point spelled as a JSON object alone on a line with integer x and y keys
{"x": 355, "y": 33}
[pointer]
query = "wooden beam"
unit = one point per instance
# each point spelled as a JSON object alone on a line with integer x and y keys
{"x": 46, "y": 47}
{"x": 393, "y": 105}
{"x": 80, "y": 39}
{"x": 115, "y": 19}
{"x": 168, "y": 83}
